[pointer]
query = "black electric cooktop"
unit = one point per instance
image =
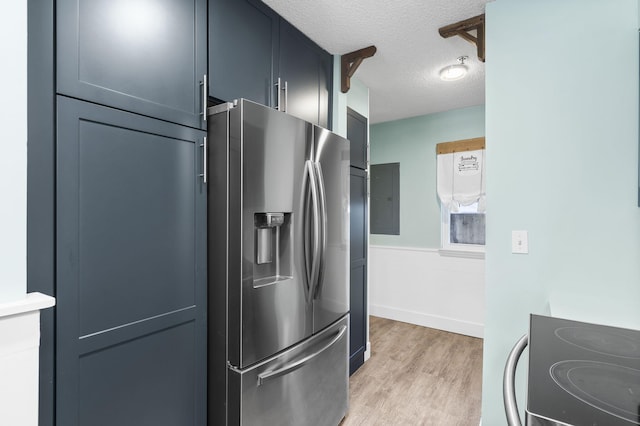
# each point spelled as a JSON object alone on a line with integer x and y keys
{"x": 582, "y": 374}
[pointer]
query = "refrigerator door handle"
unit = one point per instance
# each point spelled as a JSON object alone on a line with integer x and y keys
{"x": 293, "y": 366}
{"x": 312, "y": 275}
{"x": 323, "y": 226}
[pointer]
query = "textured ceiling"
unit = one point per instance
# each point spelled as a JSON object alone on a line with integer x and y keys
{"x": 403, "y": 75}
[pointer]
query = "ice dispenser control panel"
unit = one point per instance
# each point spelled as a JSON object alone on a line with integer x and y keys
{"x": 269, "y": 220}
{"x": 272, "y": 261}
{"x": 268, "y": 233}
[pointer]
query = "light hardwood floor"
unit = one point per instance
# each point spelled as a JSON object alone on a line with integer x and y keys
{"x": 416, "y": 376}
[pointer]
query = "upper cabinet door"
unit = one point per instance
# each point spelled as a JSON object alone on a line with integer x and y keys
{"x": 243, "y": 40}
{"x": 305, "y": 68}
{"x": 143, "y": 56}
{"x": 358, "y": 135}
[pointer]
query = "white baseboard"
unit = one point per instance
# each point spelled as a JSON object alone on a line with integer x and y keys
{"x": 367, "y": 352}
{"x": 432, "y": 321}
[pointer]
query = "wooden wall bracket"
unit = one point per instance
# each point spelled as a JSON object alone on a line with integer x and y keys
{"x": 463, "y": 28}
{"x": 350, "y": 63}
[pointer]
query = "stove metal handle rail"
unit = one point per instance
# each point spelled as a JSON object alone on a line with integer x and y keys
{"x": 509, "y": 382}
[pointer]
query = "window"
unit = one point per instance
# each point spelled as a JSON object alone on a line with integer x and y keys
{"x": 463, "y": 231}
{"x": 461, "y": 191}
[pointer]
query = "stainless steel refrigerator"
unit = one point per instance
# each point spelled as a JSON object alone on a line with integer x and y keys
{"x": 278, "y": 250}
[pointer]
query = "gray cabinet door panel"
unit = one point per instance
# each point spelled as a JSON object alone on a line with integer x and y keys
{"x": 144, "y": 57}
{"x": 358, "y": 278}
{"x": 358, "y": 320}
{"x": 135, "y": 187}
{"x": 357, "y": 134}
{"x": 356, "y": 129}
{"x": 131, "y": 269}
{"x": 300, "y": 68}
{"x": 243, "y": 40}
{"x": 149, "y": 381}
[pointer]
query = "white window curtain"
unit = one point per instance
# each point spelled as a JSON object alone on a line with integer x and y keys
{"x": 461, "y": 174}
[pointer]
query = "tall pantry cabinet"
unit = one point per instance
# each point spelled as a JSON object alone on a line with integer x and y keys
{"x": 358, "y": 135}
{"x": 129, "y": 201}
{"x": 118, "y": 91}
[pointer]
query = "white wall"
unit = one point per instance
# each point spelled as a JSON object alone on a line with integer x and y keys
{"x": 13, "y": 150}
{"x": 562, "y": 157}
{"x": 421, "y": 287}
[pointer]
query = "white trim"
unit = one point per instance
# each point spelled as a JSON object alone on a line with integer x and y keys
{"x": 416, "y": 249}
{"x": 367, "y": 352}
{"x": 19, "y": 351}
{"x": 428, "y": 320}
{"x": 467, "y": 254}
{"x": 31, "y": 302}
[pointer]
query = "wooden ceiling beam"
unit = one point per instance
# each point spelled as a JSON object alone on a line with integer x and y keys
{"x": 350, "y": 63}
{"x": 462, "y": 29}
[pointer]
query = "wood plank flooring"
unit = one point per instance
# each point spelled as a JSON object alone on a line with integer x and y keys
{"x": 416, "y": 376}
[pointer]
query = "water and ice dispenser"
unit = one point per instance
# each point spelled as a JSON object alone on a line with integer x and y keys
{"x": 272, "y": 261}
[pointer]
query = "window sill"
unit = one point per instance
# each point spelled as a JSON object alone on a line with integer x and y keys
{"x": 467, "y": 254}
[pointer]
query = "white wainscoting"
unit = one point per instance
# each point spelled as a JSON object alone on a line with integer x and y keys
{"x": 420, "y": 286}
{"x": 19, "y": 354}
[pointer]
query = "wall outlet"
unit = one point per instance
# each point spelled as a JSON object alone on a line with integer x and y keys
{"x": 519, "y": 242}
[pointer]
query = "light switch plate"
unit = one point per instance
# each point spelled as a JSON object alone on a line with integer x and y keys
{"x": 519, "y": 242}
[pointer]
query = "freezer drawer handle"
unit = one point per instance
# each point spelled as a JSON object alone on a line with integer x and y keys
{"x": 268, "y": 375}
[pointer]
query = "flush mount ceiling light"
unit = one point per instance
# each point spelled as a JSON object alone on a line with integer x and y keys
{"x": 454, "y": 72}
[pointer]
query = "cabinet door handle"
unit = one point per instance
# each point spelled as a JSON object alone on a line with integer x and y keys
{"x": 203, "y": 175}
{"x": 278, "y": 95}
{"x": 286, "y": 98}
{"x": 204, "y": 97}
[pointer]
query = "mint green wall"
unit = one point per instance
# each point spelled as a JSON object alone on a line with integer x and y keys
{"x": 357, "y": 98}
{"x": 339, "y": 100}
{"x": 412, "y": 143}
{"x": 562, "y": 157}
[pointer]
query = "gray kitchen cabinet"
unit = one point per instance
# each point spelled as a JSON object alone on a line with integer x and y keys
{"x": 357, "y": 133}
{"x": 305, "y": 69}
{"x": 145, "y": 57}
{"x": 358, "y": 281}
{"x": 130, "y": 269}
{"x": 278, "y": 66}
{"x": 242, "y": 37}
